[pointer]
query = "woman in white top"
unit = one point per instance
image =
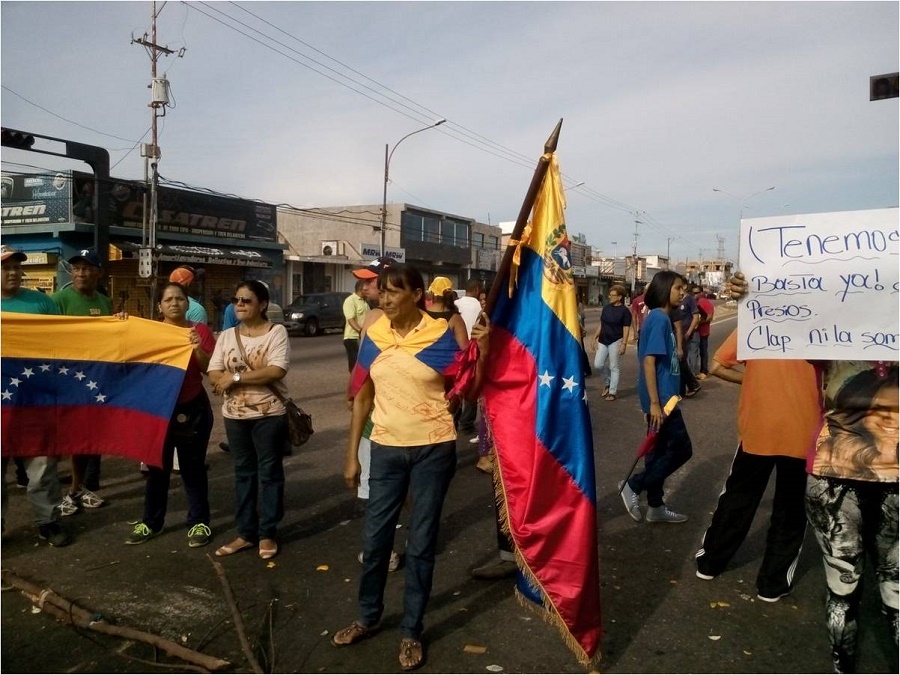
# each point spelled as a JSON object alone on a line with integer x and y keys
{"x": 255, "y": 419}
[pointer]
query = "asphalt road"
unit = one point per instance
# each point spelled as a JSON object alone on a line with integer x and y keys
{"x": 657, "y": 616}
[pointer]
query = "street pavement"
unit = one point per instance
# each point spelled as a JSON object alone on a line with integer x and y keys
{"x": 658, "y": 617}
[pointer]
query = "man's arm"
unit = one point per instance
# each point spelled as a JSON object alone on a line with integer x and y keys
{"x": 726, "y": 373}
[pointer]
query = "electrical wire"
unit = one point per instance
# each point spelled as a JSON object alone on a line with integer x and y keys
{"x": 77, "y": 124}
{"x": 415, "y": 111}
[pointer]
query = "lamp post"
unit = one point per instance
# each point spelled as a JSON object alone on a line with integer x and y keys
{"x": 387, "y": 168}
{"x": 743, "y": 200}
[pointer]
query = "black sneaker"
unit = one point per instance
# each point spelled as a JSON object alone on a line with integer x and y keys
{"x": 691, "y": 392}
{"x": 54, "y": 534}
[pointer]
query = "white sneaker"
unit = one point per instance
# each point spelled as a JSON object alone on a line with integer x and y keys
{"x": 632, "y": 502}
{"x": 69, "y": 506}
{"x": 89, "y": 500}
{"x": 662, "y": 514}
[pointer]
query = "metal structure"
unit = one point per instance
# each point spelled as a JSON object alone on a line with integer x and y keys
{"x": 387, "y": 168}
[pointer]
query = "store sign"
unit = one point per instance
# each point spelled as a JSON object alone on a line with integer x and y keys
{"x": 372, "y": 251}
{"x": 35, "y": 199}
{"x": 194, "y": 213}
{"x": 200, "y": 255}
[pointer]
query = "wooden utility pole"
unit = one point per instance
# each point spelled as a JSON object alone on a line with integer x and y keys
{"x": 159, "y": 99}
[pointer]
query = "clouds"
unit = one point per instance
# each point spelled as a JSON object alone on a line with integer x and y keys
{"x": 662, "y": 102}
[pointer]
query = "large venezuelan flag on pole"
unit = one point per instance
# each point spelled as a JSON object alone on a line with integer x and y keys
{"x": 74, "y": 385}
{"x": 536, "y": 403}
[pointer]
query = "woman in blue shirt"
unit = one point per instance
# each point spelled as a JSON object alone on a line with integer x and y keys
{"x": 659, "y": 379}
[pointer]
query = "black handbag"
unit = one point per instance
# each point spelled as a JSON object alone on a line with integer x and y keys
{"x": 300, "y": 426}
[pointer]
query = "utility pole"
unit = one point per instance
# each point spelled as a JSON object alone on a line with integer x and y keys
{"x": 720, "y": 251}
{"x": 634, "y": 260}
{"x": 159, "y": 99}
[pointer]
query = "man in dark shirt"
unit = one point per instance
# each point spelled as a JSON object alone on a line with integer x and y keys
{"x": 685, "y": 321}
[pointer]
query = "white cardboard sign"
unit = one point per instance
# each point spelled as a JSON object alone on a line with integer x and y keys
{"x": 821, "y": 286}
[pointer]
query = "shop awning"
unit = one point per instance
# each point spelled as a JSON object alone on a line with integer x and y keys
{"x": 200, "y": 254}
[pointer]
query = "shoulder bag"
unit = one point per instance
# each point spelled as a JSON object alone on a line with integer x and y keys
{"x": 300, "y": 426}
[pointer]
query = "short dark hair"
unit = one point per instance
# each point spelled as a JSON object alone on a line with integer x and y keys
{"x": 660, "y": 288}
{"x": 473, "y": 285}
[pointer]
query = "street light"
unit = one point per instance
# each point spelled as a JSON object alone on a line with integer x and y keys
{"x": 743, "y": 200}
{"x": 387, "y": 168}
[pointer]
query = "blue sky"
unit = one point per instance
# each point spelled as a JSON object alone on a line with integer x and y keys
{"x": 662, "y": 102}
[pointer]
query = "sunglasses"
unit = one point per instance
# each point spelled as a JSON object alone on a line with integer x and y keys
{"x": 241, "y": 300}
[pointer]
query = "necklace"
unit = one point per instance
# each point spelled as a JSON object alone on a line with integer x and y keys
{"x": 254, "y": 331}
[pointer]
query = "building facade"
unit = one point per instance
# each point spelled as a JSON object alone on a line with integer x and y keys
{"x": 325, "y": 244}
{"x": 50, "y": 218}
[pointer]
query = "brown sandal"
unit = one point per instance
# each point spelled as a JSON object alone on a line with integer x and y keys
{"x": 609, "y": 397}
{"x": 239, "y": 544}
{"x": 352, "y": 634}
{"x": 412, "y": 655}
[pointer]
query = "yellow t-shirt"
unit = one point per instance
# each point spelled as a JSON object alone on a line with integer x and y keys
{"x": 410, "y": 408}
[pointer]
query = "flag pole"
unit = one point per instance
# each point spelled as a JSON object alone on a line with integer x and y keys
{"x": 539, "y": 172}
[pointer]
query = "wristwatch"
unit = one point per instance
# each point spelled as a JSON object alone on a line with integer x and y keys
{"x": 236, "y": 377}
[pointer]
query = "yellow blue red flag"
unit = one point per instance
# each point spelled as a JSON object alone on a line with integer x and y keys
{"x": 97, "y": 385}
{"x": 536, "y": 404}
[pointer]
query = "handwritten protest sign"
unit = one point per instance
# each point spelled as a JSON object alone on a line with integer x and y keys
{"x": 822, "y": 286}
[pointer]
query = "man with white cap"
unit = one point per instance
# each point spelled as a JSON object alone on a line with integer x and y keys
{"x": 44, "y": 492}
{"x": 82, "y": 298}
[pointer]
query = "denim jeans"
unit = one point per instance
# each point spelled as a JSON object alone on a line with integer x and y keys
{"x": 693, "y": 352}
{"x": 704, "y": 354}
{"x": 611, "y": 376}
{"x": 43, "y": 492}
{"x": 673, "y": 448}
{"x": 425, "y": 472}
{"x": 257, "y": 447}
{"x": 192, "y": 464}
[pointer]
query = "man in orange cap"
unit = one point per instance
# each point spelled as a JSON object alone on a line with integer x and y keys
{"x": 185, "y": 275}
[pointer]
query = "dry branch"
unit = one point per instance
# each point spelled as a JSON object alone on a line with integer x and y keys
{"x": 67, "y": 611}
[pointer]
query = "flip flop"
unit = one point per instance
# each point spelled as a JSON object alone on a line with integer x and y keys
{"x": 268, "y": 552}
{"x": 236, "y": 546}
{"x": 609, "y": 397}
{"x": 412, "y": 654}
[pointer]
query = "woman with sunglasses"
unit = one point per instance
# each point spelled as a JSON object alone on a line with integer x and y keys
{"x": 189, "y": 430}
{"x": 249, "y": 360}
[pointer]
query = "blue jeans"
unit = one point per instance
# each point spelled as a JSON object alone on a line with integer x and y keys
{"x": 693, "y": 352}
{"x": 704, "y": 354}
{"x": 425, "y": 472}
{"x": 257, "y": 447}
{"x": 611, "y": 377}
{"x": 673, "y": 448}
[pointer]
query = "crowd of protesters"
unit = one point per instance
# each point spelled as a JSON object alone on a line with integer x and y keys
{"x": 827, "y": 429}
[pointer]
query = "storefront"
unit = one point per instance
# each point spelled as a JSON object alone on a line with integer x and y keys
{"x": 224, "y": 239}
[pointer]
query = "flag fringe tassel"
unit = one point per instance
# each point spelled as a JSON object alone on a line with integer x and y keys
{"x": 547, "y": 611}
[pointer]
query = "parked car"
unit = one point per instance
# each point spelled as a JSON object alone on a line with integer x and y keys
{"x": 276, "y": 315}
{"x": 315, "y": 313}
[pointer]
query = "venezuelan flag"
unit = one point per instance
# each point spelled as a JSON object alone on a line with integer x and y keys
{"x": 536, "y": 404}
{"x": 75, "y": 385}
{"x": 432, "y": 343}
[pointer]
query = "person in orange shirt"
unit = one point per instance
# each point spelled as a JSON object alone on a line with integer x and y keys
{"x": 779, "y": 418}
